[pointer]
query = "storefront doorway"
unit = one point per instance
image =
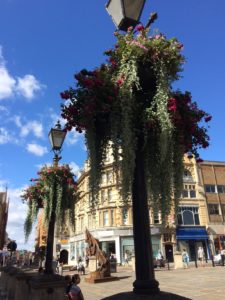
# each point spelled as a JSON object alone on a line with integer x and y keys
{"x": 169, "y": 252}
{"x": 64, "y": 256}
{"x": 108, "y": 247}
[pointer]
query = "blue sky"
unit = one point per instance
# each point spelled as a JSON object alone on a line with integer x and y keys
{"x": 43, "y": 43}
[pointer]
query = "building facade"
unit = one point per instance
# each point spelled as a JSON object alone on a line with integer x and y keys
{"x": 198, "y": 220}
{"x": 213, "y": 178}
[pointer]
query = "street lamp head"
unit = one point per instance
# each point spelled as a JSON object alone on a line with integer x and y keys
{"x": 125, "y": 13}
{"x": 56, "y": 137}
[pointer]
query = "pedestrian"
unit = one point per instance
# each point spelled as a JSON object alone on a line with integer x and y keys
{"x": 126, "y": 261}
{"x": 201, "y": 256}
{"x": 75, "y": 292}
{"x": 69, "y": 283}
{"x": 87, "y": 261}
{"x": 185, "y": 258}
{"x": 159, "y": 259}
{"x": 222, "y": 253}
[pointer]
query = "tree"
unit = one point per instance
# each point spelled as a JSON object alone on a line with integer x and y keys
{"x": 128, "y": 103}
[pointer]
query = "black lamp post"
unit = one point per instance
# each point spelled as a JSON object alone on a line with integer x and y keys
{"x": 125, "y": 13}
{"x": 56, "y": 137}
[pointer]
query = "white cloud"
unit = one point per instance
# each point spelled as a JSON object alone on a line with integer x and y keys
{"x": 31, "y": 126}
{"x": 75, "y": 169}
{"x": 16, "y": 218}
{"x": 5, "y": 137}
{"x": 27, "y": 86}
{"x": 72, "y": 137}
{"x": 36, "y": 149}
{"x": 4, "y": 109}
{"x": 7, "y": 82}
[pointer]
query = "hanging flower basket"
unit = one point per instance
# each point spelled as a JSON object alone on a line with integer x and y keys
{"x": 54, "y": 187}
{"x": 130, "y": 97}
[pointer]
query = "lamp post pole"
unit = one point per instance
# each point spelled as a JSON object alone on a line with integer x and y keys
{"x": 126, "y": 14}
{"x": 56, "y": 137}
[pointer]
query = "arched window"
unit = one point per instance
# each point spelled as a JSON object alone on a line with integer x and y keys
{"x": 188, "y": 215}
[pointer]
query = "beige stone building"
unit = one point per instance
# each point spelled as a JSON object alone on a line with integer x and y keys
{"x": 212, "y": 175}
{"x": 198, "y": 220}
{"x": 111, "y": 221}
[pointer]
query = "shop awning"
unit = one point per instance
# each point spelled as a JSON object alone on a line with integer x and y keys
{"x": 191, "y": 233}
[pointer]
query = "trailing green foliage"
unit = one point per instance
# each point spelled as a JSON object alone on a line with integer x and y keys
{"x": 129, "y": 103}
{"x": 55, "y": 191}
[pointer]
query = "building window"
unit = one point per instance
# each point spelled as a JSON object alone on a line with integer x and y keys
{"x": 89, "y": 221}
{"x": 156, "y": 216}
{"x": 221, "y": 189}
{"x": 81, "y": 223}
{"x": 187, "y": 177}
{"x": 106, "y": 218}
{"x": 188, "y": 215}
{"x": 103, "y": 196}
{"x": 167, "y": 237}
{"x": 125, "y": 216}
{"x": 103, "y": 178}
{"x": 188, "y": 191}
{"x": 213, "y": 209}
{"x": 109, "y": 176}
{"x": 112, "y": 217}
{"x": 209, "y": 188}
{"x": 110, "y": 198}
{"x": 223, "y": 208}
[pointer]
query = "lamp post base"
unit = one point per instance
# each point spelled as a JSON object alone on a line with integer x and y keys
{"x": 146, "y": 287}
{"x": 133, "y": 296}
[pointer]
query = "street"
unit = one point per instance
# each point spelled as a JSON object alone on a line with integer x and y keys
{"x": 203, "y": 283}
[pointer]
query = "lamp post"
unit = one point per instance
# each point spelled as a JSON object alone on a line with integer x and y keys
{"x": 56, "y": 137}
{"x": 125, "y": 14}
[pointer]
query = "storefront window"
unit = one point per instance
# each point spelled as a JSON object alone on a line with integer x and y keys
{"x": 72, "y": 251}
{"x": 125, "y": 216}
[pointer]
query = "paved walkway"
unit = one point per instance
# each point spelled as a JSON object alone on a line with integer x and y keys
{"x": 203, "y": 283}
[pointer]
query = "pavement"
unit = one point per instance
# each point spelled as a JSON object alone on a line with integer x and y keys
{"x": 202, "y": 283}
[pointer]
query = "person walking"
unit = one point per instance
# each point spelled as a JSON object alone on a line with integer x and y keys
{"x": 201, "y": 256}
{"x": 222, "y": 253}
{"x": 75, "y": 292}
{"x": 185, "y": 258}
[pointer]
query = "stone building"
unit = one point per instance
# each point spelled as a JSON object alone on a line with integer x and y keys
{"x": 192, "y": 212}
{"x": 111, "y": 222}
{"x": 198, "y": 220}
{"x": 212, "y": 175}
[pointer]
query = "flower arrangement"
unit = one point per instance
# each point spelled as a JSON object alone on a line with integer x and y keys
{"x": 54, "y": 188}
{"x": 129, "y": 103}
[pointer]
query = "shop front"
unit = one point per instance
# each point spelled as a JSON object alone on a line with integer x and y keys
{"x": 190, "y": 238}
{"x": 216, "y": 237}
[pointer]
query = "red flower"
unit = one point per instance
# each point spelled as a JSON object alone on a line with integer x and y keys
{"x": 140, "y": 27}
{"x": 208, "y": 118}
{"x": 65, "y": 95}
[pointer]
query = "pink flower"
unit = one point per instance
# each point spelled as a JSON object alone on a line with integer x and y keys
{"x": 65, "y": 95}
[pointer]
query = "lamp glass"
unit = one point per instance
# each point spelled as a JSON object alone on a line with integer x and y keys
{"x": 56, "y": 137}
{"x": 115, "y": 10}
{"x": 125, "y": 13}
{"x": 133, "y": 9}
